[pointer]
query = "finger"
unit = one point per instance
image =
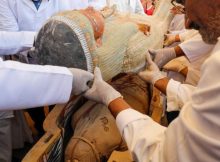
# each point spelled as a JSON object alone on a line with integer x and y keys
{"x": 97, "y": 74}
{"x": 88, "y": 93}
{"x": 152, "y": 51}
{"x": 148, "y": 58}
{"x": 141, "y": 74}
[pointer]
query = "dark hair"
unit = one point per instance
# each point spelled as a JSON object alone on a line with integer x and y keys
{"x": 180, "y": 1}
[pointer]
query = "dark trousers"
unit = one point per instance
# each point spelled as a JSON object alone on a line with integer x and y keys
{"x": 38, "y": 116}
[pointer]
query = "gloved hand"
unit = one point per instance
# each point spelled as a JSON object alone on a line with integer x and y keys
{"x": 80, "y": 80}
{"x": 152, "y": 73}
{"x": 101, "y": 91}
{"x": 162, "y": 56}
{"x": 169, "y": 39}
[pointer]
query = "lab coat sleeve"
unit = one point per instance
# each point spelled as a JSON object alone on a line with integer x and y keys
{"x": 194, "y": 135}
{"x": 139, "y": 8}
{"x": 15, "y": 42}
{"x": 187, "y": 34}
{"x": 25, "y": 86}
{"x": 12, "y": 40}
{"x": 195, "y": 48}
{"x": 177, "y": 95}
{"x": 143, "y": 136}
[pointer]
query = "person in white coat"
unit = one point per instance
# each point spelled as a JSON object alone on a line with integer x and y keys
{"x": 19, "y": 22}
{"x": 26, "y": 86}
{"x": 194, "y": 135}
{"x": 194, "y": 52}
{"x": 127, "y": 6}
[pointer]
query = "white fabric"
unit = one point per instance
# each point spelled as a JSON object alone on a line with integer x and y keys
{"x": 197, "y": 51}
{"x": 101, "y": 91}
{"x": 194, "y": 70}
{"x": 178, "y": 94}
{"x": 21, "y": 19}
{"x": 178, "y": 23}
{"x": 26, "y": 86}
{"x": 21, "y": 16}
{"x": 187, "y": 34}
{"x": 130, "y": 6}
{"x": 11, "y": 42}
{"x": 195, "y": 48}
{"x": 193, "y": 136}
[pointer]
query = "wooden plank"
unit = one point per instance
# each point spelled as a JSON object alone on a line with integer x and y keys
{"x": 41, "y": 149}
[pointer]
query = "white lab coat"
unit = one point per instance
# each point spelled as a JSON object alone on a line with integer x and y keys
{"x": 177, "y": 24}
{"x": 195, "y": 48}
{"x": 25, "y": 86}
{"x": 19, "y": 22}
{"x": 129, "y": 6}
{"x": 22, "y": 20}
{"x": 187, "y": 34}
{"x": 196, "y": 51}
{"x": 192, "y": 137}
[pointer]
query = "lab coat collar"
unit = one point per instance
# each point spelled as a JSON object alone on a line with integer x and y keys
{"x": 43, "y": 5}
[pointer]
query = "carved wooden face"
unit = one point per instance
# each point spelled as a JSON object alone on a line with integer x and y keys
{"x": 96, "y": 19}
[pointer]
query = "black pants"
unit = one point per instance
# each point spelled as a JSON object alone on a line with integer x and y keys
{"x": 38, "y": 116}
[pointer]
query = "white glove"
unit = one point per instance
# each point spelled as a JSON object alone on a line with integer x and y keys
{"x": 101, "y": 91}
{"x": 162, "y": 56}
{"x": 80, "y": 80}
{"x": 152, "y": 73}
{"x": 169, "y": 39}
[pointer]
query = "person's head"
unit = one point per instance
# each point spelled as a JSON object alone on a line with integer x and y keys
{"x": 204, "y": 15}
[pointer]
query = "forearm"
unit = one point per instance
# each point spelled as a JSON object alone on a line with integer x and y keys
{"x": 184, "y": 71}
{"x": 179, "y": 52}
{"x": 118, "y": 105}
{"x": 161, "y": 84}
{"x": 177, "y": 38}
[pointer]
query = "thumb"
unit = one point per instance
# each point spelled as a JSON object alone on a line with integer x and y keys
{"x": 152, "y": 51}
{"x": 142, "y": 73}
{"x": 148, "y": 58}
{"x": 97, "y": 73}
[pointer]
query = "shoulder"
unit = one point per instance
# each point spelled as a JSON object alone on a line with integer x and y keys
{"x": 212, "y": 64}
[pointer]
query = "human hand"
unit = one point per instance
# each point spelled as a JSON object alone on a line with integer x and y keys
{"x": 162, "y": 56}
{"x": 80, "y": 80}
{"x": 101, "y": 91}
{"x": 152, "y": 73}
{"x": 169, "y": 39}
